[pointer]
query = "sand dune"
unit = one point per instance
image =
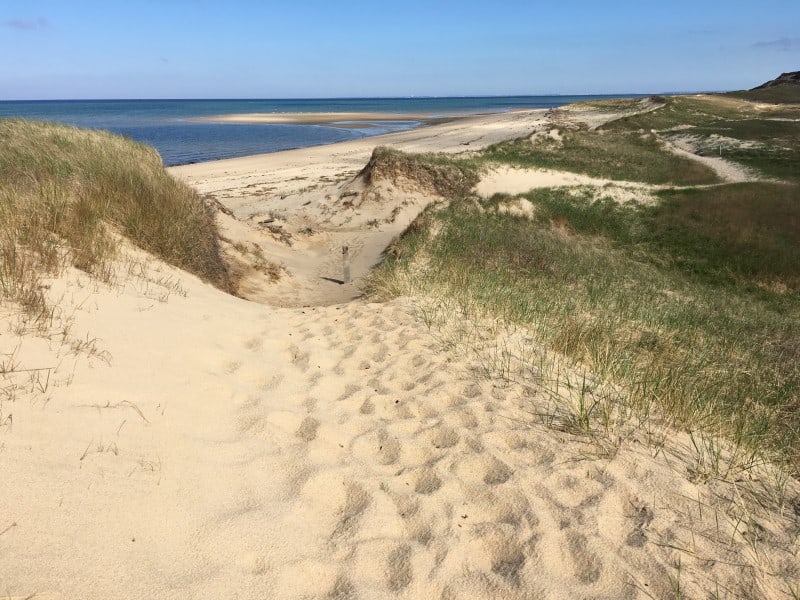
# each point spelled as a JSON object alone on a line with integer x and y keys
{"x": 309, "y": 196}
{"x": 177, "y": 442}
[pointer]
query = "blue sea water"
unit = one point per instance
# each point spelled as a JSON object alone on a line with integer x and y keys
{"x": 167, "y": 125}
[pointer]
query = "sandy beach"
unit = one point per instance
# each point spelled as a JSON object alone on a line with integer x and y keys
{"x": 166, "y": 440}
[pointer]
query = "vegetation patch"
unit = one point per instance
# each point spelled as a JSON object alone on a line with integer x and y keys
{"x": 744, "y": 234}
{"x": 66, "y": 192}
{"x": 439, "y": 175}
{"x": 763, "y": 138}
{"x": 617, "y": 155}
{"x": 670, "y": 302}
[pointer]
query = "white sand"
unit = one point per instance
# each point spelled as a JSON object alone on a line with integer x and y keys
{"x": 187, "y": 444}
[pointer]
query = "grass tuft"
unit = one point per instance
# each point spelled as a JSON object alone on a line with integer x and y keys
{"x": 440, "y": 175}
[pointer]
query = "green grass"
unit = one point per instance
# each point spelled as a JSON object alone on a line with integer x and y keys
{"x": 742, "y": 234}
{"x": 775, "y": 131}
{"x": 651, "y": 313}
{"x": 772, "y": 161}
{"x": 616, "y": 155}
{"x": 745, "y": 235}
{"x": 65, "y": 192}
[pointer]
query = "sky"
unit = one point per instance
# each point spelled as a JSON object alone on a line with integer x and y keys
{"x": 98, "y": 49}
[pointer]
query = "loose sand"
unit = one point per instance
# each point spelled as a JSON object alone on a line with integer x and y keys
{"x": 176, "y": 442}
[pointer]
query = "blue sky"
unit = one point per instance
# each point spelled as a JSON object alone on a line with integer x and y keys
{"x": 61, "y": 49}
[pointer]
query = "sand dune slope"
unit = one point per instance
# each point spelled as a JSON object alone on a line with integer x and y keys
{"x": 201, "y": 446}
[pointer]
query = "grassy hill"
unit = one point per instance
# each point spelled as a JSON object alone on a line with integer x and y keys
{"x": 781, "y": 90}
{"x": 66, "y": 195}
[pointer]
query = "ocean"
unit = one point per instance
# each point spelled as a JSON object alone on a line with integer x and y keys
{"x": 167, "y": 124}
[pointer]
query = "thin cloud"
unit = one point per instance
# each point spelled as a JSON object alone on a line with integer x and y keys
{"x": 23, "y": 25}
{"x": 782, "y": 44}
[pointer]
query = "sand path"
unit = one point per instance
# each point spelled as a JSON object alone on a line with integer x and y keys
{"x": 218, "y": 448}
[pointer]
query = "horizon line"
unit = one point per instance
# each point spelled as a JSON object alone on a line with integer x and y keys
{"x": 415, "y": 97}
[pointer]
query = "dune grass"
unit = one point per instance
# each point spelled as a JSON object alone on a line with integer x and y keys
{"x": 593, "y": 281}
{"x": 66, "y": 193}
{"x": 437, "y": 174}
{"x": 616, "y": 155}
{"x": 687, "y": 306}
{"x": 764, "y": 138}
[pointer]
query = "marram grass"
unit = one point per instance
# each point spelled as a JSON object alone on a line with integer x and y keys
{"x": 65, "y": 192}
{"x": 624, "y": 291}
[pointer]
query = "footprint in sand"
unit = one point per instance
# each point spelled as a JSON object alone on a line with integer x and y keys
{"x": 254, "y": 344}
{"x": 398, "y": 568}
{"x": 308, "y": 429}
{"x": 472, "y": 391}
{"x": 506, "y": 553}
{"x": 357, "y": 500}
{"x": 444, "y": 437}
{"x": 349, "y": 390}
{"x": 468, "y": 419}
{"x": 641, "y": 516}
{"x": 474, "y": 444}
{"x": 496, "y": 472}
{"x": 343, "y": 589}
{"x": 389, "y": 448}
{"x": 299, "y": 359}
{"x": 271, "y": 383}
{"x": 232, "y": 366}
{"x": 587, "y": 565}
{"x": 427, "y": 482}
{"x": 427, "y": 411}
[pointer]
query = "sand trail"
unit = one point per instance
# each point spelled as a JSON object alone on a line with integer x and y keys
{"x": 327, "y": 452}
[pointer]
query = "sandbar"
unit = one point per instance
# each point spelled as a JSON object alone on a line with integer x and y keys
{"x": 336, "y": 119}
